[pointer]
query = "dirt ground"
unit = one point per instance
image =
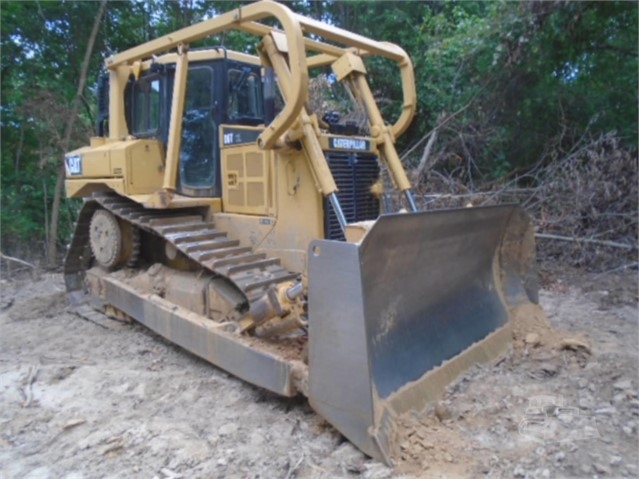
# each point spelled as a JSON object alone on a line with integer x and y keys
{"x": 78, "y": 400}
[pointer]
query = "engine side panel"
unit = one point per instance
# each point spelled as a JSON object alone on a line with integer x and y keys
{"x": 130, "y": 167}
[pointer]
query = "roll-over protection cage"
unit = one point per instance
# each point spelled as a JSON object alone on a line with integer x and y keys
{"x": 298, "y": 52}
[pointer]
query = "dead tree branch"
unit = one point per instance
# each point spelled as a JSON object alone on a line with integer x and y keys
{"x": 16, "y": 260}
{"x": 441, "y": 124}
{"x": 423, "y": 162}
{"x": 611, "y": 244}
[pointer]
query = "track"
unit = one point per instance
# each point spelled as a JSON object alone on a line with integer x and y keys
{"x": 210, "y": 248}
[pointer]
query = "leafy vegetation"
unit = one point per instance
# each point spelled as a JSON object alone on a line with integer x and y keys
{"x": 508, "y": 85}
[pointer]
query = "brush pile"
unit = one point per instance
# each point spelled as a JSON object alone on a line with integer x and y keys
{"x": 584, "y": 205}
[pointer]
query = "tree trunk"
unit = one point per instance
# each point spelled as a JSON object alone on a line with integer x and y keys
{"x": 46, "y": 209}
{"x": 16, "y": 166}
{"x": 57, "y": 193}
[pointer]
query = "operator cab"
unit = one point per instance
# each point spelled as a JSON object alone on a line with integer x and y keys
{"x": 218, "y": 91}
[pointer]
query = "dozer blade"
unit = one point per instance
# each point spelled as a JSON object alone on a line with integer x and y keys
{"x": 395, "y": 318}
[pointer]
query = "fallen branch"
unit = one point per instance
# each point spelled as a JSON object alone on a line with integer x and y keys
{"x": 10, "y": 259}
{"x": 448, "y": 196}
{"x": 612, "y": 244}
{"x": 16, "y": 260}
{"x": 621, "y": 268}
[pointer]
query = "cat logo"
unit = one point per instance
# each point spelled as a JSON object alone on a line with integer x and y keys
{"x": 73, "y": 164}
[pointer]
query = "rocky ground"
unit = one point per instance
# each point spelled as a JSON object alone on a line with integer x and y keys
{"x": 81, "y": 401}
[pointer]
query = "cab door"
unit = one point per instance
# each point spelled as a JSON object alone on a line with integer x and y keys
{"x": 199, "y": 150}
{"x": 217, "y": 92}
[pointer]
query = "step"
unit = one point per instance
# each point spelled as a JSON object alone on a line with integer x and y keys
{"x": 208, "y": 245}
{"x": 197, "y": 235}
{"x": 183, "y": 227}
{"x": 261, "y": 264}
{"x": 147, "y": 216}
{"x": 223, "y": 252}
{"x": 278, "y": 277}
{"x": 163, "y": 220}
{"x": 237, "y": 260}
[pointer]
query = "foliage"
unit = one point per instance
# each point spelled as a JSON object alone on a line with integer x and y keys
{"x": 509, "y": 85}
{"x": 529, "y": 77}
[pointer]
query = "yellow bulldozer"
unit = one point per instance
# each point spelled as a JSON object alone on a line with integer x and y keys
{"x": 224, "y": 214}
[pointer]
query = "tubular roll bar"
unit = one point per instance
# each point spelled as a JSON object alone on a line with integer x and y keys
{"x": 294, "y": 26}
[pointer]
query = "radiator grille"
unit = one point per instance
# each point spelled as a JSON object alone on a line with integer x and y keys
{"x": 354, "y": 173}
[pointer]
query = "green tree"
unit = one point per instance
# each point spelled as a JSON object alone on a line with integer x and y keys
{"x": 521, "y": 78}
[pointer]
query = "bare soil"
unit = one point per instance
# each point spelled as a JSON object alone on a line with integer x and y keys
{"x": 78, "y": 400}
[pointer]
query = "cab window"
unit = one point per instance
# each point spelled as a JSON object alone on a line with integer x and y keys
{"x": 146, "y": 107}
{"x": 245, "y": 103}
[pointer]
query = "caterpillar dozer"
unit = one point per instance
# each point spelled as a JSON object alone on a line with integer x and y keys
{"x": 224, "y": 214}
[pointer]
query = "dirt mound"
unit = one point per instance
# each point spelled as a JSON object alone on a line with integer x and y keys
{"x": 435, "y": 441}
{"x": 534, "y": 335}
{"x": 431, "y": 444}
{"x": 531, "y": 328}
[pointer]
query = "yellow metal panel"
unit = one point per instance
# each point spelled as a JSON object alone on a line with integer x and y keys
{"x": 300, "y": 207}
{"x": 81, "y": 188}
{"x": 234, "y": 201}
{"x": 144, "y": 167}
{"x": 255, "y": 164}
{"x": 136, "y": 164}
{"x": 96, "y": 141}
{"x": 103, "y": 161}
{"x": 348, "y": 64}
{"x": 255, "y": 197}
{"x": 236, "y": 162}
{"x": 95, "y": 162}
{"x": 117, "y": 156}
{"x": 280, "y": 41}
{"x": 160, "y": 200}
{"x": 296, "y": 220}
{"x": 245, "y": 180}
